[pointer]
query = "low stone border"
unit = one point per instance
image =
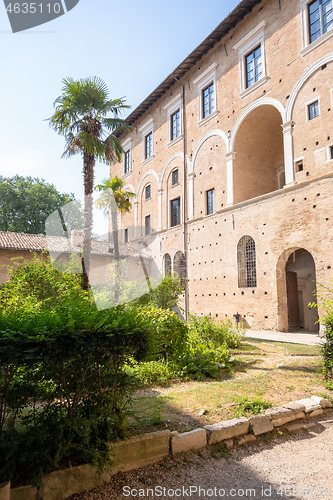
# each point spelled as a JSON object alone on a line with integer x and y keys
{"x": 155, "y": 446}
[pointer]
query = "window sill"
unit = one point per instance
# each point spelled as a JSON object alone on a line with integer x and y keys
{"x": 171, "y": 143}
{"x": 317, "y": 42}
{"x": 127, "y": 174}
{"x": 254, "y": 86}
{"x": 147, "y": 160}
{"x": 175, "y": 185}
{"x": 209, "y": 117}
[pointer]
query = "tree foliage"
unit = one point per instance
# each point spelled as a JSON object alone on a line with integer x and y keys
{"x": 82, "y": 117}
{"x": 26, "y": 202}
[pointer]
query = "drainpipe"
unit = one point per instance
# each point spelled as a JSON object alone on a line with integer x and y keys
{"x": 185, "y": 203}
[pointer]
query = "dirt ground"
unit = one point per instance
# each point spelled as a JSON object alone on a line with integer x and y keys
{"x": 279, "y": 466}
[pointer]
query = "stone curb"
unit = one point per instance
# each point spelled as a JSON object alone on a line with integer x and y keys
{"x": 150, "y": 448}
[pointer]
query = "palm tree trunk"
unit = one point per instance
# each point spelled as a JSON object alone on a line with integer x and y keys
{"x": 114, "y": 219}
{"x": 88, "y": 178}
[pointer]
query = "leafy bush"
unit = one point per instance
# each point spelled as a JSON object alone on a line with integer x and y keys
{"x": 168, "y": 334}
{"x": 63, "y": 387}
{"x": 151, "y": 372}
{"x": 212, "y": 333}
{"x": 326, "y": 298}
{"x": 201, "y": 361}
{"x": 252, "y": 407}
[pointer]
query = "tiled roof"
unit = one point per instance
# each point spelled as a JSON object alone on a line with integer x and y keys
{"x": 57, "y": 244}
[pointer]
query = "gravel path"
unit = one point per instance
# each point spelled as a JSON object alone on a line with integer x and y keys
{"x": 299, "y": 466}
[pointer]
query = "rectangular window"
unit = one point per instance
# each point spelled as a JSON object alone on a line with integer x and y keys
{"x": 148, "y": 145}
{"x": 175, "y": 212}
{"x": 208, "y": 100}
{"x": 174, "y": 177}
{"x": 320, "y": 18}
{"x": 253, "y": 66}
{"x": 175, "y": 125}
{"x": 210, "y": 201}
{"x": 147, "y": 224}
{"x": 313, "y": 110}
{"x": 127, "y": 161}
{"x": 126, "y": 235}
{"x": 331, "y": 153}
{"x": 299, "y": 166}
{"x": 147, "y": 192}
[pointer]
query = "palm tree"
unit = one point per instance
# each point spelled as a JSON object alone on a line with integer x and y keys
{"x": 81, "y": 116}
{"x": 114, "y": 199}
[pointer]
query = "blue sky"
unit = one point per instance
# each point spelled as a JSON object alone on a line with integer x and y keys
{"x": 131, "y": 45}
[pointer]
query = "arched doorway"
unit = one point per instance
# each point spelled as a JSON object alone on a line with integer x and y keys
{"x": 296, "y": 289}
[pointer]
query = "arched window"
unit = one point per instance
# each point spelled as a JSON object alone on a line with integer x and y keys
{"x": 167, "y": 264}
{"x": 179, "y": 266}
{"x": 246, "y": 262}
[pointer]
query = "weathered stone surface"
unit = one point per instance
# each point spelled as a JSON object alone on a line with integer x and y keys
{"x": 139, "y": 451}
{"x": 295, "y": 406}
{"x": 310, "y": 404}
{"x": 5, "y": 491}
{"x": 261, "y": 424}
{"x": 250, "y": 438}
{"x": 300, "y": 427}
{"x": 290, "y": 418}
{"x": 241, "y": 441}
{"x": 64, "y": 483}
{"x": 282, "y": 414}
{"x": 24, "y": 493}
{"x": 316, "y": 413}
{"x": 324, "y": 403}
{"x": 229, "y": 444}
{"x": 227, "y": 429}
{"x": 187, "y": 441}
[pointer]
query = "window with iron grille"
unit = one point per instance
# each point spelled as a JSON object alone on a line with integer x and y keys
{"x": 175, "y": 125}
{"x": 148, "y": 145}
{"x": 147, "y": 224}
{"x": 179, "y": 266}
{"x": 208, "y": 100}
{"x": 175, "y": 212}
{"x": 127, "y": 161}
{"x": 253, "y": 66}
{"x": 174, "y": 177}
{"x": 210, "y": 201}
{"x": 320, "y": 18}
{"x": 126, "y": 235}
{"x": 167, "y": 264}
{"x": 313, "y": 110}
{"x": 246, "y": 262}
{"x": 148, "y": 192}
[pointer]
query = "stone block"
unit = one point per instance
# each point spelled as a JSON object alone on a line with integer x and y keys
{"x": 193, "y": 440}
{"x": 23, "y": 493}
{"x": 283, "y": 414}
{"x": 139, "y": 451}
{"x": 64, "y": 483}
{"x": 316, "y": 413}
{"x": 227, "y": 429}
{"x": 5, "y": 491}
{"x": 261, "y": 424}
{"x": 300, "y": 427}
{"x": 310, "y": 404}
{"x": 229, "y": 444}
{"x": 323, "y": 402}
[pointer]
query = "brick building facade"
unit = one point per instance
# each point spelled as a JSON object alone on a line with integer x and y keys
{"x": 231, "y": 160}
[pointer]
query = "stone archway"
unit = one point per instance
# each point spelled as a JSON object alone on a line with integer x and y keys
{"x": 259, "y": 153}
{"x": 296, "y": 288}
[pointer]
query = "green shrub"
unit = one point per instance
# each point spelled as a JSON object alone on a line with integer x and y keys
{"x": 325, "y": 295}
{"x": 212, "y": 333}
{"x": 150, "y": 372}
{"x": 168, "y": 334}
{"x": 201, "y": 361}
{"x": 63, "y": 386}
